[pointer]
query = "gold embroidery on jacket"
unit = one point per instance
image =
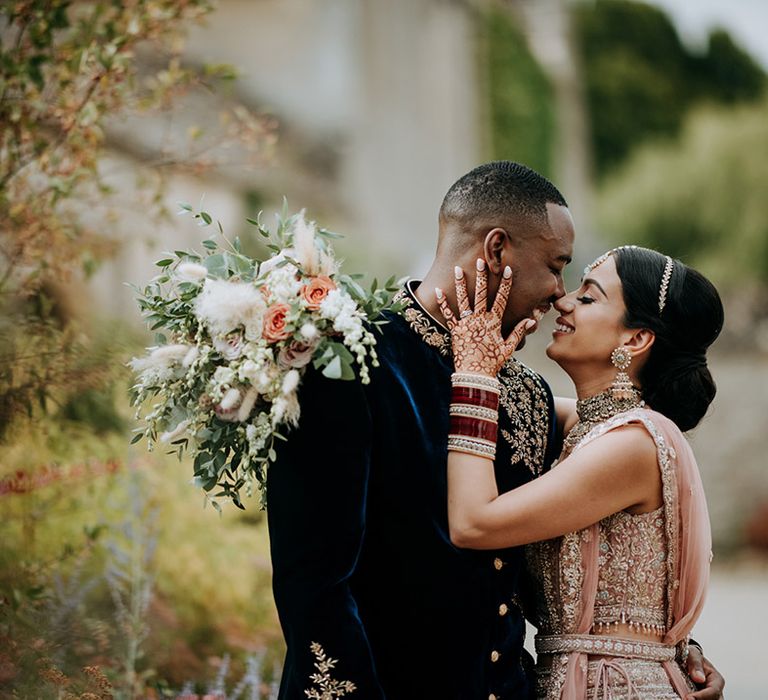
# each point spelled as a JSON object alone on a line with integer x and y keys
{"x": 327, "y": 688}
{"x": 523, "y": 393}
{"x": 524, "y": 400}
{"x": 422, "y": 324}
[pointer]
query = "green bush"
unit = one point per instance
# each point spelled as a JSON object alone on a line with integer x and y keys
{"x": 642, "y": 81}
{"x": 701, "y": 199}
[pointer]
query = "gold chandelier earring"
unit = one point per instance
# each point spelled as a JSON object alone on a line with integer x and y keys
{"x": 622, "y": 385}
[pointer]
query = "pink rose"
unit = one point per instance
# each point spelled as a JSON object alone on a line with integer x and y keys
{"x": 296, "y": 355}
{"x": 316, "y": 290}
{"x": 275, "y": 322}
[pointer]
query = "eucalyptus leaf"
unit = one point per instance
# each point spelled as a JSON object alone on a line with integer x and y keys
{"x": 333, "y": 369}
{"x": 217, "y": 265}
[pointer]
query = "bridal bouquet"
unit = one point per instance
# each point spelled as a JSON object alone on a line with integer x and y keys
{"x": 237, "y": 334}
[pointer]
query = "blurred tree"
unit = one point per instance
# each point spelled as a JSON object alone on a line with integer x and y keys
{"x": 702, "y": 199}
{"x": 521, "y": 102}
{"x": 66, "y": 68}
{"x": 728, "y": 73}
{"x": 641, "y": 79}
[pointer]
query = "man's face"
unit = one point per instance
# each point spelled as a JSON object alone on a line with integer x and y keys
{"x": 537, "y": 264}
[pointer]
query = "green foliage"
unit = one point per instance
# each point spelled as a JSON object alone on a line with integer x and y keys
{"x": 642, "y": 81}
{"x": 520, "y": 96}
{"x": 210, "y": 591}
{"x": 702, "y": 199}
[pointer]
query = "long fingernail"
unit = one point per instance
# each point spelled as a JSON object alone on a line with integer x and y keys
{"x": 480, "y": 264}
{"x": 530, "y": 323}
{"x": 507, "y": 272}
{"x": 438, "y": 293}
{"x": 458, "y": 272}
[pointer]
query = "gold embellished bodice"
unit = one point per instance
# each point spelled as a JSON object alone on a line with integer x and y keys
{"x": 633, "y": 566}
{"x": 632, "y": 576}
{"x": 630, "y": 564}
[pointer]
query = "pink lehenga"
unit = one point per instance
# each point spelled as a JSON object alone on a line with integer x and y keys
{"x": 645, "y": 573}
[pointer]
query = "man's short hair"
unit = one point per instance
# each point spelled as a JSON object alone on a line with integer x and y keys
{"x": 499, "y": 191}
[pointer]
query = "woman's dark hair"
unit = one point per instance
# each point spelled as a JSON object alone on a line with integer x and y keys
{"x": 675, "y": 380}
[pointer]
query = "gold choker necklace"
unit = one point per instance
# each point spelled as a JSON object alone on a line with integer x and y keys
{"x": 598, "y": 409}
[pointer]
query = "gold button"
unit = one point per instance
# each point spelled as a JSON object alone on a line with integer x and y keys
{"x": 503, "y": 609}
{"x": 497, "y": 564}
{"x": 494, "y": 656}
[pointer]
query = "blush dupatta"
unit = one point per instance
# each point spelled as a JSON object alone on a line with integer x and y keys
{"x": 689, "y": 546}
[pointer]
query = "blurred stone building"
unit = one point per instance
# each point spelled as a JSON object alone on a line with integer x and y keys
{"x": 378, "y": 111}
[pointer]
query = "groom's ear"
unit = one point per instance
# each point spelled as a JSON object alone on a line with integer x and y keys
{"x": 495, "y": 250}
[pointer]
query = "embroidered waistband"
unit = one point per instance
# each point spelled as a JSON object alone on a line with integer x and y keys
{"x": 608, "y": 646}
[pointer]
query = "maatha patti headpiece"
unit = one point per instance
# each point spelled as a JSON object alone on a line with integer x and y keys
{"x": 663, "y": 287}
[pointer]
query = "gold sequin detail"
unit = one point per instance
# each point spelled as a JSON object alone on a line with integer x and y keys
{"x": 631, "y": 585}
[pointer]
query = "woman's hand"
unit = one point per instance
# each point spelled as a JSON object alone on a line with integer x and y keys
{"x": 478, "y": 345}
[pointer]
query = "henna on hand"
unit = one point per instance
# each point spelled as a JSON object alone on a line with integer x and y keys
{"x": 478, "y": 345}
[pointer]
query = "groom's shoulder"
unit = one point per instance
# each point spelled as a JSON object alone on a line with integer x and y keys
{"x": 394, "y": 333}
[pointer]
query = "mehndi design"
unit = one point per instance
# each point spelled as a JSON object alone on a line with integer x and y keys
{"x": 478, "y": 345}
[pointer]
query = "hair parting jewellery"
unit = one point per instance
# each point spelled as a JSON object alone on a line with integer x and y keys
{"x": 665, "y": 277}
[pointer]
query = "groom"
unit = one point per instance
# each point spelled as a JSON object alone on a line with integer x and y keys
{"x": 364, "y": 570}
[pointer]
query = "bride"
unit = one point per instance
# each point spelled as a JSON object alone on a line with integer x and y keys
{"x": 618, "y": 531}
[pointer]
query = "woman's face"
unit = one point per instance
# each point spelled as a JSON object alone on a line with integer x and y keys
{"x": 590, "y": 322}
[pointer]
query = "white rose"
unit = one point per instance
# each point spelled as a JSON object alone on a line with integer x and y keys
{"x": 249, "y": 371}
{"x": 224, "y": 375}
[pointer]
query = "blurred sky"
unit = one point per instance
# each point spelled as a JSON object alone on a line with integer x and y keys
{"x": 746, "y": 20}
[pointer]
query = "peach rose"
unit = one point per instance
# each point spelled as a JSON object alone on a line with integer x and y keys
{"x": 316, "y": 290}
{"x": 274, "y": 323}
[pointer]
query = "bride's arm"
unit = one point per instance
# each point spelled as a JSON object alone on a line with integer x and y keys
{"x": 615, "y": 472}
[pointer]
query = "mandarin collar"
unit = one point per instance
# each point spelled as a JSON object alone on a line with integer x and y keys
{"x": 426, "y": 326}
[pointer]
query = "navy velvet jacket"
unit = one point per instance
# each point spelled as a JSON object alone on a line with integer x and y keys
{"x": 362, "y": 559}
